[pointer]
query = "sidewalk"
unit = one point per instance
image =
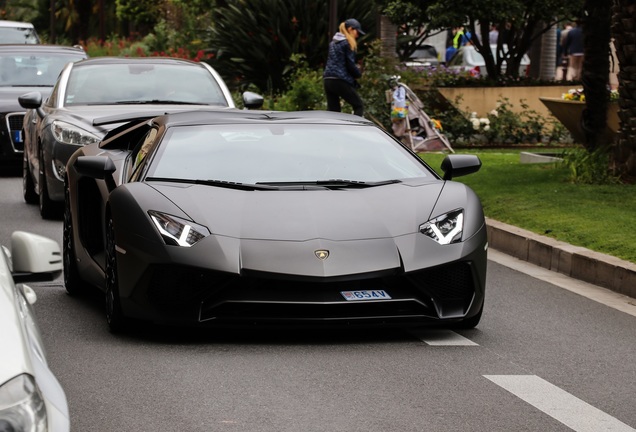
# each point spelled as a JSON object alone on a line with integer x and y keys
{"x": 579, "y": 263}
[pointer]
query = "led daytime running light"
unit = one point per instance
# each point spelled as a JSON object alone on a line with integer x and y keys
{"x": 445, "y": 229}
{"x": 177, "y": 231}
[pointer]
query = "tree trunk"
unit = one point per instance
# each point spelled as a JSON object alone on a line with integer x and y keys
{"x": 624, "y": 33}
{"x": 595, "y": 75}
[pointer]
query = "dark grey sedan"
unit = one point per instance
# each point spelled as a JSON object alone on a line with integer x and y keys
{"x": 100, "y": 88}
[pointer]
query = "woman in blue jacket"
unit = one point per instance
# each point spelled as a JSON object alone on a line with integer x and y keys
{"x": 341, "y": 70}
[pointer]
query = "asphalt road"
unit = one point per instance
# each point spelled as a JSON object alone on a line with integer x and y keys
{"x": 543, "y": 359}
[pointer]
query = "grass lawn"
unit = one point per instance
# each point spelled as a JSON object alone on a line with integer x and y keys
{"x": 539, "y": 198}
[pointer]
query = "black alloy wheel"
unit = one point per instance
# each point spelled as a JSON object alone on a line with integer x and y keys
{"x": 117, "y": 322}
{"x": 72, "y": 280}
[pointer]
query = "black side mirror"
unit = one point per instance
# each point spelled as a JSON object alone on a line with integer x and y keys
{"x": 32, "y": 100}
{"x": 97, "y": 167}
{"x": 459, "y": 165}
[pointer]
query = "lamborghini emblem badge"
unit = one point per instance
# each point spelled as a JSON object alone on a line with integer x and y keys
{"x": 322, "y": 254}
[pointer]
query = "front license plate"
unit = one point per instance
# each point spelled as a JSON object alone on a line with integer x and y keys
{"x": 365, "y": 295}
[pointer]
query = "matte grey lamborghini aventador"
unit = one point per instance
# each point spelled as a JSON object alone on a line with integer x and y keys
{"x": 255, "y": 217}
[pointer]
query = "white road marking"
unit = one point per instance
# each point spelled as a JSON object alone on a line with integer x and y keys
{"x": 442, "y": 338}
{"x": 604, "y": 296}
{"x": 559, "y": 404}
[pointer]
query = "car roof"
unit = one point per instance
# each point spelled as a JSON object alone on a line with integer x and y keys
{"x": 133, "y": 60}
{"x": 236, "y": 116}
{"x": 16, "y": 24}
{"x": 42, "y": 48}
{"x": 230, "y": 116}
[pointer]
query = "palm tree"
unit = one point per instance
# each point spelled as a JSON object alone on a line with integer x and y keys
{"x": 624, "y": 33}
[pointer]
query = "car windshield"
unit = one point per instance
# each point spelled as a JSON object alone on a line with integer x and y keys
{"x": 33, "y": 69}
{"x": 107, "y": 84}
{"x": 18, "y": 35}
{"x": 261, "y": 154}
{"x": 429, "y": 52}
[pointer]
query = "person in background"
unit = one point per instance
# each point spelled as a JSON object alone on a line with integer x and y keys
{"x": 573, "y": 49}
{"x": 562, "y": 58}
{"x": 493, "y": 35}
{"x": 460, "y": 37}
{"x": 341, "y": 70}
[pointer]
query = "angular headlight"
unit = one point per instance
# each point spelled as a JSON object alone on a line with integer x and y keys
{"x": 177, "y": 231}
{"x": 70, "y": 134}
{"x": 21, "y": 406}
{"x": 445, "y": 229}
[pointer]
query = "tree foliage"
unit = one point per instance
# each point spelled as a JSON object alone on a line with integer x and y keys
{"x": 520, "y": 23}
{"x": 143, "y": 13}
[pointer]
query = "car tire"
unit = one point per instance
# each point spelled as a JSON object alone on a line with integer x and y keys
{"x": 28, "y": 187}
{"x": 116, "y": 320}
{"x": 72, "y": 280}
{"x": 48, "y": 208}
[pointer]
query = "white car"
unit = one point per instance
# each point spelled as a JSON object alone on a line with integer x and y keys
{"x": 31, "y": 398}
{"x": 467, "y": 59}
{"x": 16, "y": 32}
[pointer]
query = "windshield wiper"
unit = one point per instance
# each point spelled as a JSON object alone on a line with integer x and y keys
{"x": 218, "y": 183}
{"x": 156, "y": 102}
{"x": 333, "y": 183}
{"x": 31, "y": 85}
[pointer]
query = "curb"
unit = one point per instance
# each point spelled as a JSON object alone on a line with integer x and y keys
{"x": 576, "y": 262}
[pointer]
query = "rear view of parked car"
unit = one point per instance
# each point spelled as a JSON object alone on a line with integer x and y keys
{"x": 425, "y": 56}
{"x": 31, "y": 398}
{"x": 467, "y": 59}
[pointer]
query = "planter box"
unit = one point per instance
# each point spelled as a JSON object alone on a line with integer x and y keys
{"x": 569, "y": 113}
{"x": 482, "y": 100}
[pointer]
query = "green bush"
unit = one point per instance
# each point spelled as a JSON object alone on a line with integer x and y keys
{"x": 589, "y": 167}
{"x": 305, "y": 89}
{"x": 374, "y": 84}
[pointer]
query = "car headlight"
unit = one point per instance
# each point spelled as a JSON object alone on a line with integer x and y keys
{"x": 445, "y": 229}
{"x": 22, "y": 408}
{"x": 177, "y": 231}
{"x": 70, "y": 134}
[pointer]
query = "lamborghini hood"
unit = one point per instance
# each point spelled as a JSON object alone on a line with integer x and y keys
{"x": 346, "y": 214}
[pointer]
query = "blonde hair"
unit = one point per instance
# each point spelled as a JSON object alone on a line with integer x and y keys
{"x": 352, "y": 40}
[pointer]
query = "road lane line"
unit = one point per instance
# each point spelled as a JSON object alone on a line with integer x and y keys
{"x": 559, "y": 404}
{"x": 442, "y": 338}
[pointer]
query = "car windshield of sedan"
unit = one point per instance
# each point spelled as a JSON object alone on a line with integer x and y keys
{"x": 34, "y": 69}
{"x": 283, "y": 153}
{"x": 112, "y": 84}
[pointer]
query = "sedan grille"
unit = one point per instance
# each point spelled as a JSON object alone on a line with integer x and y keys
{"x": 15, "y": 127}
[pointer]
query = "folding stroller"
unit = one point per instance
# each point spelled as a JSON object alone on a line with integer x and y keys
{"x": 417, "y": 131}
